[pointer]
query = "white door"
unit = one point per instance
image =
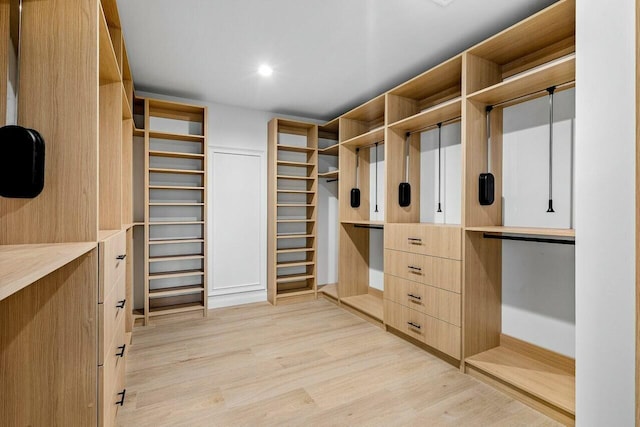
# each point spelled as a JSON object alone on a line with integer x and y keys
{"x": 237, "y": 227}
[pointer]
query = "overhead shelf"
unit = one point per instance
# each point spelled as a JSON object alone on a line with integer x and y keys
{"x": 329, "y": 175}
{"x": 329, "y": 151}
{"x": 440, "y": 113}
{"x": 364, "y": 222}
{"x": 126, "y": 107}
{"x": 108, "y": 63}
{"x": 369, "y": 138}
{"x": 557, "y": 72}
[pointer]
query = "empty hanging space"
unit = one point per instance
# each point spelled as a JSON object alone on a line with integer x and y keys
{"x": 518, "y": 243}
{"x": 292, "y": 219}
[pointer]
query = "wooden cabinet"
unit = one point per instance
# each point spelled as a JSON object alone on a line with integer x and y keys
{"x": 444, "y": 241}
{"x": 439, "y": 272}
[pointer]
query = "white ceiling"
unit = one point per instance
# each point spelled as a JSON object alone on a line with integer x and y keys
{"x": 328, "y": 55}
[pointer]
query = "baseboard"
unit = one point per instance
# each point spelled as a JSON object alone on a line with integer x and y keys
{"x": 229, "y": 300}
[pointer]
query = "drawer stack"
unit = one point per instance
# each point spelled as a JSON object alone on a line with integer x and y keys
{"x": 422, "y": 282}
{"x": 112, "y": 345}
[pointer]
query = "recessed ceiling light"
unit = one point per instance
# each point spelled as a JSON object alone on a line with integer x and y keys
{"x": 442, "y": 2}
{"x": 265, "y": 70}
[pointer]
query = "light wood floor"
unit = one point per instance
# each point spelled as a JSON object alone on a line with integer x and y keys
{"x": 305, "y": 364}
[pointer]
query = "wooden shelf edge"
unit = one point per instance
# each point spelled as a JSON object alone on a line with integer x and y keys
{"x": 369, "y": 304}
{"x": 174, "y": 309}
{"x": 448, "y": 110}
{"x": 374, "y": 135}
{"x": 22, "y": 265}
{"x": 532, "y": 231}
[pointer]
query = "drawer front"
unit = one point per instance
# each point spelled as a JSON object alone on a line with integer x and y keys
{"x": 439, "y": 272}
{"x": 435, "y": 333}
{"x": 426, "y": 239}
{"x": 405, "y": 320}
{"x": 110, "y": 388}
{"x": 435, "y": 302}
{"x": 112, "y": 268}
{"x": 109, "y": 317}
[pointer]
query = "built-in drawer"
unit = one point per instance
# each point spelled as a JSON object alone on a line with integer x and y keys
{"x": 435, "y": 302}
{"x": 439, "y": 272}
{"x": 440, "y": 335}
{"x": 112, "y": 265}
{"x": 111, "y": 394}
{"x": 109, "y": 318}
{"x": 444, "y": 241}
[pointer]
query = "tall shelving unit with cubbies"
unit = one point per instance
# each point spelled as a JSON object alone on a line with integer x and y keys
{"x": 175, "y": 209}
{"x": 292, "y": 217}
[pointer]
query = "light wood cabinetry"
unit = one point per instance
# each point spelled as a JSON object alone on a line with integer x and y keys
{"x": 292, "y": 217}
{"x": 63, "y": 280}
{"x": 174, "y": 223}
{"x": 443, "y": 275}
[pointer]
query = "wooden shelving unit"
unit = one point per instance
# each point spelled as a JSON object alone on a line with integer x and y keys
{"x": 175, "y": 222}
{"x": 293, "y": 186}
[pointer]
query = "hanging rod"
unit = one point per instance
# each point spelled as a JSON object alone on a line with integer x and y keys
{"x": 332, "y": 179}
{"x": 529, "y": 239}
{"x": 374, "y": 227}
{"x": 435, "y": 126}
{"x": 532, "y": 95}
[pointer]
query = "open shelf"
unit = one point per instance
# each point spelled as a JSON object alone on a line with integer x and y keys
{"x": 174, "y": 241}
{"x": 176, "y": 136}
{"x": 288, "y": 278}
{"x": 175, "y": 258}
{"x": 295, "y": 149}
{"x": 287, "y": 264}
{"x": 295, "y": 236}
{"x": 176, "y": 222}
{"x": 177, "y": 155}
{"x": 294, "y": 250}
{"x": 172, "y": 274}
{"x": 329, "y": 151}
{"x": 138, "y": 132}
{"x": 557, "y": 72}
{"x": 329, "y": 175}
{"x": 176, "y": 171}
{"x": 552, "y": 232}
{"x": 21, "y": 265}
{"x": 369, "y": 304}
{"x": 293, "y": 177}
{"x": 175, "y": 291}
{"x": 295, "y": 205}
{"x": 173, "y": 187}
{"x": 440, "y": 113}
{"x": 174, "y": 309}
{"x": 371, "y": 137}
{"x": 295, "y": 164}
{"x": 293, "y": 221}
{"x": 126, "y": 107}
{"x": 109, "y": 70}
{"x": 295, "y": 292}
{"x": 532, "y": 376}
{"x": 175, "y": 204}
{"x": 295, "y": 191}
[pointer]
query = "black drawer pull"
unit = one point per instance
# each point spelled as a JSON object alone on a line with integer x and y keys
{"x": 419, "y": 298}
{"x": 121, "y": 352}
{"x": 121, "y": 401}
{"x": 121, "y": 304}
{"x": 414, "y": 241}
{"x": 121, "y": 257}
{"x": 414, "y": 325}
{"x": 414, "y": 268}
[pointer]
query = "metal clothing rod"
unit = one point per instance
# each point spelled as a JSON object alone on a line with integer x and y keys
{"x": 529, "y": 239}
{"x": 559, "y": 87}
{"x": 435, "y": 126}
{"x": 551, "y": 90}
{"x": 374, "y": 227}
{"x": 332, "y": 180}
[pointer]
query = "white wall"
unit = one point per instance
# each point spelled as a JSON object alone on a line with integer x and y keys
{"x": 605, "y": 213}
{"x": 239, "y": 129}
{"x": 538, "y": 280}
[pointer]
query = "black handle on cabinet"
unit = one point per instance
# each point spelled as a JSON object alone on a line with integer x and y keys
{"x": 121, "y": 303}
{"x": 419, "y": 298}
{"x": 121, "y": 401}
{"x": 414, "y": 241}
{"x": 121, "y": 257}
{"x": 414, "y": 268}
{"x": 121, "y": 352}
{"x": 414, "y": 325}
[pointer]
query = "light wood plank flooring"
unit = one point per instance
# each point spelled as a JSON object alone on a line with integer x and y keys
{"x": 310, "y": 364}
